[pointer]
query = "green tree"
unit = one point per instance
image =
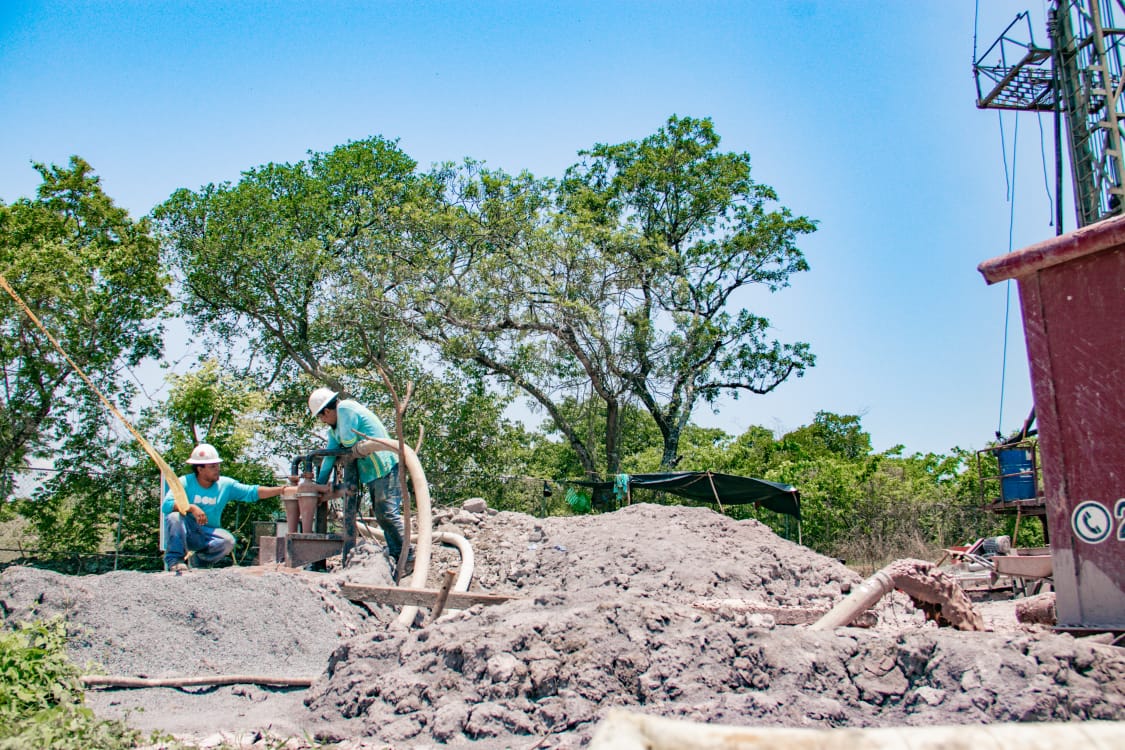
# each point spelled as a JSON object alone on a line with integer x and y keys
{"x": 93, "y": 277}
{"x": 829, "y": 433}
{"x": 623, "y": 280}
{"x": 486, "y": 280}
{"x": 690, "y": 232}
{"x": 318, "y": 248}
{"x": 265, "y": 264}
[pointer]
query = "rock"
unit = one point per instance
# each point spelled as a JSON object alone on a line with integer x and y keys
{"x": 475, "y": 505}
{"x": 1038, "y": 610}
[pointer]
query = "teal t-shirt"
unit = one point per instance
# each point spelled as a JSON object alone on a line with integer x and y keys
{"x": 214, "y": 498}
{"x": 352, "y": 418}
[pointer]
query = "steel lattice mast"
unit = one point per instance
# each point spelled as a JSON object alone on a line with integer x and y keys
{"x": 1079, "y": 78}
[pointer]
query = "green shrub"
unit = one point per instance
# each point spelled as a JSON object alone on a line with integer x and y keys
{"x": 41, "y": 695}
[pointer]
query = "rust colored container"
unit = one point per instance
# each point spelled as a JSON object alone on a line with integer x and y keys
{"x": 1072, "y": 296}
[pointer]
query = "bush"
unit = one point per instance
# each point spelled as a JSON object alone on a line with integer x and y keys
{"x": 41, "y": 695}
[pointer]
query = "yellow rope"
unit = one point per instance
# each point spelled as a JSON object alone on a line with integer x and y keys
{"x": 178, "y": 495}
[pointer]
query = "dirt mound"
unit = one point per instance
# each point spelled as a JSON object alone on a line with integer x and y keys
{"x": 202, "y": 623}
{"x": 547, "y": 667}
{"x": 652, "y": 608}
{"x": 606, "y": 618}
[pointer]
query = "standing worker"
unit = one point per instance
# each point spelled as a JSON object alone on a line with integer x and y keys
{"x": 199, "y": 530}
{"x": 349, "y": 424}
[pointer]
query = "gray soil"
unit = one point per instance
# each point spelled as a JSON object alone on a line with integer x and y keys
{"x": 670, "y": 611}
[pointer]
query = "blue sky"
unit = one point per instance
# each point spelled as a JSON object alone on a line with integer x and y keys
{"x": 860, "y": 113}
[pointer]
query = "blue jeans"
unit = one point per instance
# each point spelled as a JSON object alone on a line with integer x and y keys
{"x": 386, "y": 500}
{"x": 386, "y": 504}
{"x": 183, "y": 533}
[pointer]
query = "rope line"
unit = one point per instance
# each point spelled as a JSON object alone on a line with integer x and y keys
{"x": 1004, "y": 155}
{"x": 179, "y": 496}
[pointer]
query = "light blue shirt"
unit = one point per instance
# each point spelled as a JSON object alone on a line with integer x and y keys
{"x": 214, "y": 498}
{"x": 353, "y": 418}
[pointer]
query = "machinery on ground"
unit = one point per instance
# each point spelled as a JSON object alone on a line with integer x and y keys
{"x": 1072, "y": 296}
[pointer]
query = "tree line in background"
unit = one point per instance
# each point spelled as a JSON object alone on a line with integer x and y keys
{"x": 615, "y": 300}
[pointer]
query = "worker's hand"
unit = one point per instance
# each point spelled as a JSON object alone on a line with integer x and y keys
{"x": 364, "y": 448}
{"x": 200, "y": 516}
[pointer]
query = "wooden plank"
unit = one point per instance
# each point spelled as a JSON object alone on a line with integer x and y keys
{"x": 400, "y": 597}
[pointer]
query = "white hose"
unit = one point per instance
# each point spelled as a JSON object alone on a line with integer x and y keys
{"x": 862, "y": 597}
{"x": 622, "y": 730}
{"x": 465, "y": 571}
{"x": 424, "y": 512}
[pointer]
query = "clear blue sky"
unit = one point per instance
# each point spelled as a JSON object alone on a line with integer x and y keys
{"x": 859, "y": 112}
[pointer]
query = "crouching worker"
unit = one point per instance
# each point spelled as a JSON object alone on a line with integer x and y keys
{"x": 208, "y": 493}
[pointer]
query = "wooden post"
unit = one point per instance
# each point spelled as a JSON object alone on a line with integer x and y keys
{"x": 443, "y": 594}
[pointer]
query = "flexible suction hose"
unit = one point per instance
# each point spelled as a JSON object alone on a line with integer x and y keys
{"x": 468, "y": 560}
{"x": 863, "y": 597}
{"x": 919, "y": 579}
{"x": 424, "y": 547}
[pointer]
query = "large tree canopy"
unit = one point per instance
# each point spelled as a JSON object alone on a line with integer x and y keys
{"x": 266, "y": 261}
{"x": 295, "y": 266}
{"x": 93, "y": 277}
{"x": 622, "y": 281}
{"x": 694, "y": 229}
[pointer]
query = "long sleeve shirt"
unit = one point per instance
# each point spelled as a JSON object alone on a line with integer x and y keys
{"x": 353, "y": 418}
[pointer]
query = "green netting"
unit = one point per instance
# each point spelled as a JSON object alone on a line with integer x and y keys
{"x": 578, "y": 500}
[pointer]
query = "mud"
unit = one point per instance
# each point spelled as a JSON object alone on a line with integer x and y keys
{"x": 669, "y": 611}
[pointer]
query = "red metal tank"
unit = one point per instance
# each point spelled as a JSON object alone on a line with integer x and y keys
{"x": 1072, "y": 296}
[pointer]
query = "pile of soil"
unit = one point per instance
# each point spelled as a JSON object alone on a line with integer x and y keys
{"x": 671, "y": 611}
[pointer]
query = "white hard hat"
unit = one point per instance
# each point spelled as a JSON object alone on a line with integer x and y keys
{"x": 320, "y": 398}
{"x": 204, "y": 453}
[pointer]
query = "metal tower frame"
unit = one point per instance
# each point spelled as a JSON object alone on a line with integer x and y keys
{"x": 1083, "y": 83}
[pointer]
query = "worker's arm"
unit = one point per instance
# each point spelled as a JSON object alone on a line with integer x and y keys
{"x": 264, "y": 492}
{"x": 168, "y": 506}
{"x": 329, "y": 461}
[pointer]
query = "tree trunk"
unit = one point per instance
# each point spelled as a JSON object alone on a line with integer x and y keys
{"x": 612, "y": 437}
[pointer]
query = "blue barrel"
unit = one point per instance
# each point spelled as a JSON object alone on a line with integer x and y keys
{"x": 1017, "y": 480}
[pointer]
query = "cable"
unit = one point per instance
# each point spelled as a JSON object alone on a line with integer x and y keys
{"x": 976, "y": 20}
{"x": 1046, "y": 179}
{"x": 1008, "y": 286}
{"x": 1004, "y": 155}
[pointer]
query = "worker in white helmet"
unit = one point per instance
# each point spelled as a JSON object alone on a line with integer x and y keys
{"x": 349, "y": 422}
{"x": 199, "y": 530}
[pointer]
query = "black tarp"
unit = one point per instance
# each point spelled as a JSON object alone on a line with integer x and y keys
{"x": 711, "y": 487}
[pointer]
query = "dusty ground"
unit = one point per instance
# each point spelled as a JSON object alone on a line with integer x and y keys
{"x": 623, "y": 609}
